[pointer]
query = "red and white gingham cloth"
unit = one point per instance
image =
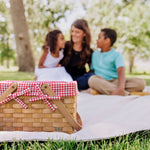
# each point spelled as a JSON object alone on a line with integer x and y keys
{"x": 14, "y": 96}
{"x": 32, "y": 88}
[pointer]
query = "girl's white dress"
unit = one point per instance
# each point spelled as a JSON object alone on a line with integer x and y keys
{"x": 52, "y": 73}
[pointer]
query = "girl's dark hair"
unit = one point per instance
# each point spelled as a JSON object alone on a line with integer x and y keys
{"x": 51, "y": 40}
{"x": 111, "y": 34}
{"x": 86, "y": 51}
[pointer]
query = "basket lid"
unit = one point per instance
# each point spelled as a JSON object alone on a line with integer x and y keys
{"x": 61, "y": 88}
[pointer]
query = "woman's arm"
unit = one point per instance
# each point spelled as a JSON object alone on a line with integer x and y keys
{"x": 42, "y": 59}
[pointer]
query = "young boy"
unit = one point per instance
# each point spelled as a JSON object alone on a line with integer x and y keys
{"x": 109, "y": 69}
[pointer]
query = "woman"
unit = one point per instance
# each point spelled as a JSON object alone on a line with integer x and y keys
{"x": 77, "y": 53}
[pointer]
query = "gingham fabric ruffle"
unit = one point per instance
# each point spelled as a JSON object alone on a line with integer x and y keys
{"x": 32, "y": 88}
{"x": 60, "y": 88}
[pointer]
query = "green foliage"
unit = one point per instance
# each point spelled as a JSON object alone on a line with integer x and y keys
{"x": 3, "y": 22}
{"x": 3, "y": 29}
{"x": 2, "y": 6}
{"x": 6, "y": 52}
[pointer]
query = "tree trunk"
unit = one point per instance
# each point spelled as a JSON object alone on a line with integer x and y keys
{"x": 7, "y": 59}
{"x": 25, "y": 58}
{"x": 7, "y": 62}
{"x": 131, "y": 61}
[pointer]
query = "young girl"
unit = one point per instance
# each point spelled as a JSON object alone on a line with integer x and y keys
{"x": 52, "y": 54}
{"x": 53, "y": 49}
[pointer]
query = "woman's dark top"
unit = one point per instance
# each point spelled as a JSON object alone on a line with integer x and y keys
{"x": 73, "y": 67}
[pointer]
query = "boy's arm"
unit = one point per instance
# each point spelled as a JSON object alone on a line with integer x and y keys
{"x": 121, "y": 82}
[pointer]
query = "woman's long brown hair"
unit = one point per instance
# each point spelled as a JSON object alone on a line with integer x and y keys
{"x": 86, "y": 51}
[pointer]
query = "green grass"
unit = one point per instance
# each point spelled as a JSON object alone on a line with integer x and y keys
{"x": 14, "y": 75}
{"x": 135, "y": 141}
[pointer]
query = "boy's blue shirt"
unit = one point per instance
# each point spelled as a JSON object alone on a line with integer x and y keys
{"x": 106, "y": 64}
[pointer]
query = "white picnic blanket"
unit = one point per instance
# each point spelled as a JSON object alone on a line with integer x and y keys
{"x": 102, "y": 116}
{"x": 52, "y": 74}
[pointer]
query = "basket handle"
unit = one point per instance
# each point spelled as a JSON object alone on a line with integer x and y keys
{"x": 75, "y": 124}
{"x": 9, "y": 90}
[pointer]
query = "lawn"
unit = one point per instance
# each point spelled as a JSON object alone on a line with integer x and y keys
{"x": 135, "y": 141}
{"x": 15, "y": 75}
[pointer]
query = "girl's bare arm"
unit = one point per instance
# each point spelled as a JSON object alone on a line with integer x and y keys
{"x": 42, "y": 59}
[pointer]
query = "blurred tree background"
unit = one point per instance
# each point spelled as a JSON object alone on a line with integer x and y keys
{"x": 130, "y": 18}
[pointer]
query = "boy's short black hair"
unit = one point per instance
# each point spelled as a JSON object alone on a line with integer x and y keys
{"x": 110, "y": 33}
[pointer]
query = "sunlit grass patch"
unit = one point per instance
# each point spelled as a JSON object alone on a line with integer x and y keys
{"x": 15, "y": 75}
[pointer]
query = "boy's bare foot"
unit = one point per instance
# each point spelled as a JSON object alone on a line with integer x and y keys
{"x": 90, "y": 91}
{"x": 94, "y": 92}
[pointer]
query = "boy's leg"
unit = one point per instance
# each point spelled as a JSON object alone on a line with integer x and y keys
{"x": 135, "y": 85}
{"x": 132, "y": 85}
{"x": 101, "y": 85}
{"x": 115, "y": 82}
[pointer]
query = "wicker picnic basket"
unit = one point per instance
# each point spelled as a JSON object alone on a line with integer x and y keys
{"x": 39, "y": 106}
